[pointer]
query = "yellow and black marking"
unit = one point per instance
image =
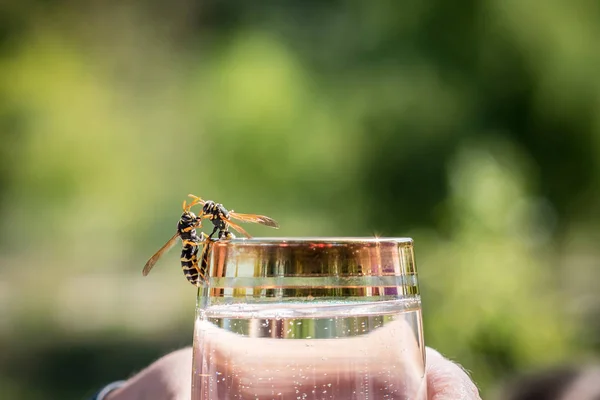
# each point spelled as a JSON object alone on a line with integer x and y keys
{"x": 186, "y": 231}
{"x": 195, "y": 268}
{"x": 221, "y": 218}
{"x": 194, "y": 271}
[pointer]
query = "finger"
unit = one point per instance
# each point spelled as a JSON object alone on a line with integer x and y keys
{"x": 168, "y": 378}
{"x": 586, "y": 385}
{"x": 447, "y": 380}
{"x": 175, "y": 371}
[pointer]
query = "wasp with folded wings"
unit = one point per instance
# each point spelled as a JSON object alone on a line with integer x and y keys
{"x": 194, "y": 267}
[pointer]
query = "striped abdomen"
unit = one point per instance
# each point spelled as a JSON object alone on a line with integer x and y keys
{"x": 194, "y": 271}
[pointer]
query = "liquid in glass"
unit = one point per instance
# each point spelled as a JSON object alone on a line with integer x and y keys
{"x": 341, "y": 321}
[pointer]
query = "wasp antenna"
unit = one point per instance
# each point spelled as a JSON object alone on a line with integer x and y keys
{"x": 184, "y": 205}
{"x": 197, "y": 200}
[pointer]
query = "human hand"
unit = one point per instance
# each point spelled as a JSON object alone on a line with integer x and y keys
{"x": 169, "y": 378}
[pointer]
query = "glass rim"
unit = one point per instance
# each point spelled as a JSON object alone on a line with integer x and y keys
{"x": 274, "y": 241}
{"x": 310, "y": 261}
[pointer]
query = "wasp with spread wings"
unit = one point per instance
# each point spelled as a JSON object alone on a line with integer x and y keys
{"x": 194, "y": 267}
{"x": 221, "y": 218}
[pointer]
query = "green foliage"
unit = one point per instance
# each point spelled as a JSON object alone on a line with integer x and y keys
{"x": 470, "y": 126}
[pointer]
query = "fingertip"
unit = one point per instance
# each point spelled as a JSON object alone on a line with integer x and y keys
{"x": 447, "y": 380}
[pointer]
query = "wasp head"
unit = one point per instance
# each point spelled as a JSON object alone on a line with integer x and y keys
{"x": 208, "y": 207}
{"x": 188, "y": 221}
{"x": 188, "y": 217}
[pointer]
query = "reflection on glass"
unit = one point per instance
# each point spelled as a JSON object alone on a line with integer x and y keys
{"x": 310, "y": 318}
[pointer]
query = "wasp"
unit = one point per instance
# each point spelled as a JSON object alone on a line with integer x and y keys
{"x": 194, "y": 271}
{"x": 194, "y": 267}
{"x": 221, "y": 218}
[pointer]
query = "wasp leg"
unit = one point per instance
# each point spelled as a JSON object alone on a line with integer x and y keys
{"x": 213, "y": 232}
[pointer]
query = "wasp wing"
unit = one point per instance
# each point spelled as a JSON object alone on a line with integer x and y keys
{"x": 166, "y": 247}
{"x": 204, "y": 260}
{"x": 254, "y": 218}
{"x": 238, "y": 228}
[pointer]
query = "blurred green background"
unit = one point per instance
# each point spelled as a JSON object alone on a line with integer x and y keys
{"x": 471, "y": 126}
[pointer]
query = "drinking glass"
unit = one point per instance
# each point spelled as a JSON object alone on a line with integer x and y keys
{"x": 310, "y": 318}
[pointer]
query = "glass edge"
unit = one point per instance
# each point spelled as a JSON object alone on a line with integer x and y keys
{"x": 274, "y": 241}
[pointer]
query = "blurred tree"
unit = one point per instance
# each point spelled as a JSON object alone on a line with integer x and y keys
{"x": 469, "y": 125}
